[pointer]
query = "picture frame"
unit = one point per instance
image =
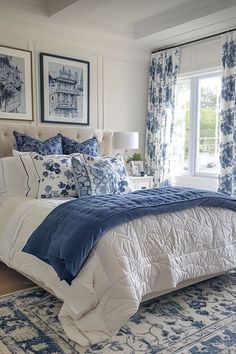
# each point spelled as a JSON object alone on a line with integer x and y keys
{"x": 64, "y": 90}
{"x": 16, "y": 89}
{"x": 136, "y": 167}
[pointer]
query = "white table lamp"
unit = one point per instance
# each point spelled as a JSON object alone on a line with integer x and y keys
{"x": 126, "y": 140}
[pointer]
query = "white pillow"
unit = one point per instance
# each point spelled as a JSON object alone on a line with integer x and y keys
{"x": 33, "y": 179}
{"x": 13, "y": 178}
{"x": 56, "y": 176}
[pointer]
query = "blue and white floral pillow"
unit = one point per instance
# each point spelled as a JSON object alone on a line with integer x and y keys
{"x": 122, "y": 183}
{"x": 56, "y": 177}
{"x": 51, "y": 146}
{"x": 107, "y": 166}
{"x": 71, "y": 146}
{"x": 90, "y": 180}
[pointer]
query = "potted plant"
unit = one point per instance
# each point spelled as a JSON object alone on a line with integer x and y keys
{"x": 136, "y": 164}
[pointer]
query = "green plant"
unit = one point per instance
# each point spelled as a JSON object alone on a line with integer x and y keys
{"x": 135, "y": 157}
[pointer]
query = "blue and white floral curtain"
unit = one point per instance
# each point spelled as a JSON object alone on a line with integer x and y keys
{"x": 160, "y": 118}
{"x": 227, "y": 179}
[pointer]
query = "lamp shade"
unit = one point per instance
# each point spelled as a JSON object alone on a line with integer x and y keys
{"x": 126, "y": 140}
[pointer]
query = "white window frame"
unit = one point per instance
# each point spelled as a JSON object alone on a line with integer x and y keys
{"x": 195, "y": 124}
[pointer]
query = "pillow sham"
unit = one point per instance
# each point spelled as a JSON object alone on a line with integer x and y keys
{"x": 51, "y": 146}
{"x": 90, "y": 180}
{"x": 71, "y": 146}
{"x": 32, "y": 176}
{"x": 56, "y": 177}
{"x": 13, "y": 178}
{"x": 122, "y": 181}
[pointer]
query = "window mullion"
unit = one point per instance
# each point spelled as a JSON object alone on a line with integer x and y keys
{"x": 193, "y": 125}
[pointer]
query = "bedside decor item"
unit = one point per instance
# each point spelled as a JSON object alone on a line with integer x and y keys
{"x": 126, "y": 140}
{"x": 64, "y": 90}
{"x": 136, "y": 167}
{"x": 135, "y": 157}
{"x": 16, "y": 84}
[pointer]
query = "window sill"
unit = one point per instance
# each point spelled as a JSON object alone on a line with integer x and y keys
{"x": 210, "y": 183}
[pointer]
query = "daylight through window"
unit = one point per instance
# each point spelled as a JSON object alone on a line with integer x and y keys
{"x": 196, "y": 135}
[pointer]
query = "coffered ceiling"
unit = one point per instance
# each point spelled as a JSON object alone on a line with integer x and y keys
{"x": 151, "y": 23}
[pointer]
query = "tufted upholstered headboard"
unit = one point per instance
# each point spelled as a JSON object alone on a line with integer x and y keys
{"x": 7, "y": 142}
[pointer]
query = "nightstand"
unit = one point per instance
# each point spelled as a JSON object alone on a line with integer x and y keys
{"x": 139, "y": 182}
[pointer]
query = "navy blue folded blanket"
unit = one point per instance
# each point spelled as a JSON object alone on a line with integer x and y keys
{"x": 68, "y": 234}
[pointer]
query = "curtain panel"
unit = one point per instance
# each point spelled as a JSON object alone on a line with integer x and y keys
{"x": 227, "y": 178}
{"x": 160, "y": 117}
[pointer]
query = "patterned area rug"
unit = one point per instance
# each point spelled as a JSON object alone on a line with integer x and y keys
{"x": 197, "y": 319}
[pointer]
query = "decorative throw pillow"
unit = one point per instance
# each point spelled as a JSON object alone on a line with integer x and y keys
{"x": 125, "y": 185}
{"x": 113, "y": 178}
{"x": 71, "y": 146}
{"x": 51, "y": 146}
{"x": 90, "y": 180}
{"x": 56, "y": 177}
{"x": 122, "y": 179}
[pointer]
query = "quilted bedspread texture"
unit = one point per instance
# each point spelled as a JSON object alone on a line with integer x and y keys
{"x": 132, "y": 260}
{"x": 67, "y": 236}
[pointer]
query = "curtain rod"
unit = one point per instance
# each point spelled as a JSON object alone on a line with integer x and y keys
{"x": 196, "y": 40}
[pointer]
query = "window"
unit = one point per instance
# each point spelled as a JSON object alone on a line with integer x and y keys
{"x": 196, "y": 138}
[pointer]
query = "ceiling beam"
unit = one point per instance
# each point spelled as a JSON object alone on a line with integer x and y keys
{"x": 55, "y": 6}
{"x": 180, "y": 15}
{"x": 73, "y": 9}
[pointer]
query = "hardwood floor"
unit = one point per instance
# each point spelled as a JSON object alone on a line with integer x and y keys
{"x": 11, "y": 281}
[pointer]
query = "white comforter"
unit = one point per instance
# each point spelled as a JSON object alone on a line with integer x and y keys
{"x": 147, "y": 255}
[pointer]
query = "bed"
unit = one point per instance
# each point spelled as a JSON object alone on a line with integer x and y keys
{"x": 132, "y": 262}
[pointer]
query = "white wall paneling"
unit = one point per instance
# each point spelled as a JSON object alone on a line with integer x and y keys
{"x": 125, "y": 96}
{"x": 118, "y": 82}
{"x": 119, "y": 69}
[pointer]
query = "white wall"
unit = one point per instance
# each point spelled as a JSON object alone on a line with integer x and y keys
{"x": 118, "y": 72}
{"x": 119, "y": 69}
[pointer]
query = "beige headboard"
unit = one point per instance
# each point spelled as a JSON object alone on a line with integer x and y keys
{"x": 7, "y": 142}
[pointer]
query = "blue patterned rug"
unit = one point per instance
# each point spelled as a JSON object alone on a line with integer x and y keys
{"x": 197, "y": 319}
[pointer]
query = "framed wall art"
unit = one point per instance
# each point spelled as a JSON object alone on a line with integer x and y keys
{"x": 16, "y": 100}
{"x": 136, "y": 167}
{"x": 64, "y": 90}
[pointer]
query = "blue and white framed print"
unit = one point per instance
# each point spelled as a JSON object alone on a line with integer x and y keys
{"x": 64, "y": 90}
{"x": 16, "y": 84}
